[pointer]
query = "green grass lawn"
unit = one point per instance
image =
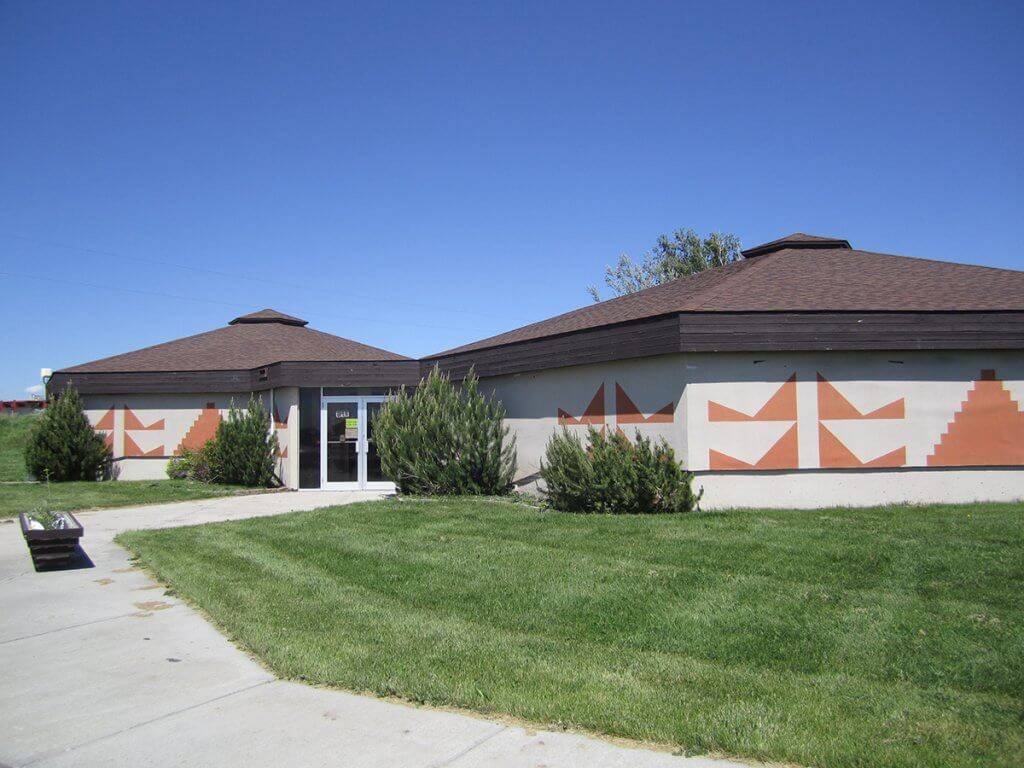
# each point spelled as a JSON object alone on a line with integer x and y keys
{"x": 881, "y": 637}
{"x": 73, "y": 496}
{"x": 120, "y": 493}
{"x": 13, "y": 434}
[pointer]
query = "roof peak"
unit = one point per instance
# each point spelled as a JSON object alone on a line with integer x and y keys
{"x": 268, "y": 316}
{"x": 797, "y": 240}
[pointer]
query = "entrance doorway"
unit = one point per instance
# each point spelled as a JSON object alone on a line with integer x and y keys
{"x": 348, "y": 453}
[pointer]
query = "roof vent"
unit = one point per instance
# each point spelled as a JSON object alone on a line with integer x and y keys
{"x": 268, "y": 316}
{"x": 796, "y": 240}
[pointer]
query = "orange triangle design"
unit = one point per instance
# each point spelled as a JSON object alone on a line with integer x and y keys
{"x": 626, "y": 411}
{"x": 988, "y": 430}
{"x": 131, "y": 421}
{"x": 131, "y": 448}
{"x": 781, "y": 406}
{"x": 278, "y": 424}
{"x": 833, "y": 454}
{"x": 833, "y": 406}
{"x": 566, "y": 418}
{"x": 784, "y": 454}
{"x": 107, "y": 420}
{"x": 593, "y": 415}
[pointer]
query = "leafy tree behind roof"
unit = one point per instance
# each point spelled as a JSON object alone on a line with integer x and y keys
{"x": 684, "y": 253}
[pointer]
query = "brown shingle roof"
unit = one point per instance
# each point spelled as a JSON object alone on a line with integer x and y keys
{"x": 251, "y": 341}
{"x": 798, "y": 273}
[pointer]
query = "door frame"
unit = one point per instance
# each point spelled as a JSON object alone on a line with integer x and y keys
{"x": 362, "y": 445}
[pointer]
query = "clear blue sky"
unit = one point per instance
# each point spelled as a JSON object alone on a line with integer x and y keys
{"x": 419, "y": 176}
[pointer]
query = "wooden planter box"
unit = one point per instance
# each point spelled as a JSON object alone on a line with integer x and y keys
{"x": 52, "y": 547}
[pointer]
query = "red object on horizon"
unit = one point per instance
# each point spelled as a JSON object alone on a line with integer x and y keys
{"x": 15, "y": 406}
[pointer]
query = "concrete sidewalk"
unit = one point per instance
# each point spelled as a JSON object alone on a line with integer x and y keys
{"x": 98, "y": 667}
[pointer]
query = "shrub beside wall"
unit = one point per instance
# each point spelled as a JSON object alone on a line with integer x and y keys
{"x": 243, "y": 452}
{"x": 244, "y": 449}
{"x": 613, "y": 475}
{"x": 192, "y": 465}
{"x": 445, "y": 440}
{"x": 63, "y": 445}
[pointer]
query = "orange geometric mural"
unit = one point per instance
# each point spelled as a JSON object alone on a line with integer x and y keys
{"x": 594, "y": 414}
{"x": 132, "y": 449}
{"x": 107, "y": 420}
{"x": 203, "y": 429}
{"x": 781, "y": 406}
{"x": 784, "y": 454}
{"x": 832, "y": 405}
{"x": 832, "y": 454}
{"x": 131, "y": 421}
{"x": 988, "y": 430}
{"x": 626, "y": 411}
{"x": 282, "y": 453}
{"x": 106, "y": 424}
{"x": 278, "y": 423}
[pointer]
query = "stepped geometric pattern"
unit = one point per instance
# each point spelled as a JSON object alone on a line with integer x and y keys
{"x": 202, "y": 430}
{"x": 988, "y": 430}
{"x": 626, "y": 411}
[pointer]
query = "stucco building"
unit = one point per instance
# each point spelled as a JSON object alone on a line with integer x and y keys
{"x": 807, "y": 374}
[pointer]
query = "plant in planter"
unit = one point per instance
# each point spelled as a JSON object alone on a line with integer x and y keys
{"x": 52, "y": 537}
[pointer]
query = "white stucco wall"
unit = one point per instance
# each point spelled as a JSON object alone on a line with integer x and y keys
{"x": 286, "y": 420}
{"x": 800, "y": 429}
{"x": 144, "y": 431}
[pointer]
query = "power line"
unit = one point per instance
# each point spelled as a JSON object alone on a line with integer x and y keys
{"x": 238, "y": 276}
{"x": 143, "y": 292}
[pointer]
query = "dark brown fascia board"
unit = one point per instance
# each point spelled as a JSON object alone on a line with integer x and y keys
{"x": 664, "y": 334}
{"x": 382, "y": 373}
{"x": 637, "y": 338}
{"x": 825, "y": 331}
{"x": 744, "y": 332}
{"x": 156, "y": 382}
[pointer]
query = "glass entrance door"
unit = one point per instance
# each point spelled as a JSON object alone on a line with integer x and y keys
{"x": 348, "y": 453}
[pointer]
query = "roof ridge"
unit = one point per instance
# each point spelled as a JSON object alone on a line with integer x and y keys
{"x": 749, "y": 264}
{"x": 353, "y": 341}
{"x": 627, "y": 298}
{"x": 939, "y": 261}
{"x": 146, "y": 348}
